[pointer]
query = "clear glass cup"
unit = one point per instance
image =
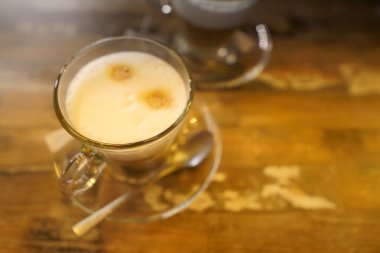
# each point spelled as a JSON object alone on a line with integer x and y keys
{"x": 133, "y": 163}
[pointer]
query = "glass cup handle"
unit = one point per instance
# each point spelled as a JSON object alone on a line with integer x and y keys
{"x": 82, "y": 172}
{"x": 265, "y": 44}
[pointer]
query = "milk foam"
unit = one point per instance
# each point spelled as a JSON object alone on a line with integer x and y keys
{"x": 114, "y": 111}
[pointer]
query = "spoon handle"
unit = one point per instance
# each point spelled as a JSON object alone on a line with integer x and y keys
{"x": 95, "y": 218}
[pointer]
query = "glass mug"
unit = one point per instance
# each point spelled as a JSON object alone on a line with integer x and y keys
{"x": 136, "y": 162}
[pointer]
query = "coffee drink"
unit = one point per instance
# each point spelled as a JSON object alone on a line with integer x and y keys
{"x": 125, "y": 97}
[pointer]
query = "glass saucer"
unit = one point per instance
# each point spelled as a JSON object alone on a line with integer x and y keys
{"x": 216, "y": 59}
{"x": 167, "y": 196}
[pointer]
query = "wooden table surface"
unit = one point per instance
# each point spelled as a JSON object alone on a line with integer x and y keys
{"x": 301, "y": 165}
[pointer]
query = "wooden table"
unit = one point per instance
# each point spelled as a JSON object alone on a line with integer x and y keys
{"x": 301, "y": 164}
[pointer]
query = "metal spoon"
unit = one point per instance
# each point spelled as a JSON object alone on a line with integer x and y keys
{"x": 197, "y": 148}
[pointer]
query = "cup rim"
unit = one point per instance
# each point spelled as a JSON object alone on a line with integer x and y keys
{"x": 104, "y": 145}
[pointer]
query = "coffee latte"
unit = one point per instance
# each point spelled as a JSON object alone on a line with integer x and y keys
{"x": 125, "y": 97}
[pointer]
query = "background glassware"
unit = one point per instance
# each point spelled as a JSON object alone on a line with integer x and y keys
{"x": 220, "y": 49}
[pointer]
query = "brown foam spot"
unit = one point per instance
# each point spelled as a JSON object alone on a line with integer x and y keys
{"x": 120, "y": 72}
{"x": 157, "y": 99}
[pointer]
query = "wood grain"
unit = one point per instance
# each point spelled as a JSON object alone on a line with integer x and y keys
{"x": 315, "y": 107}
